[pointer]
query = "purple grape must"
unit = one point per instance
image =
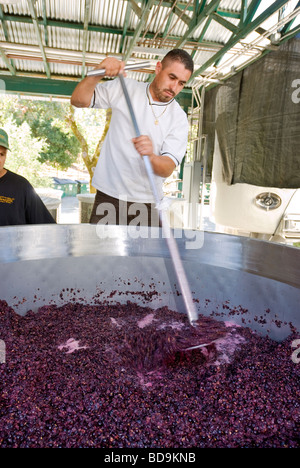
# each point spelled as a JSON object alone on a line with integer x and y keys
{"x": 117, "y": 376}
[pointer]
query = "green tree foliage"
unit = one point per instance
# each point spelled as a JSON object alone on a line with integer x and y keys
{"x": 55, "y": 133}
{"x": 47, "y": 121}
{"x": 63, "y": 148}
{"x": 25, "y": 149}
{"x": 23, "y": 159}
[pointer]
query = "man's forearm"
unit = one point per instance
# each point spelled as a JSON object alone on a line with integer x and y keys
{"x": 163, "y": 166}
{"x": 84, "y": 91}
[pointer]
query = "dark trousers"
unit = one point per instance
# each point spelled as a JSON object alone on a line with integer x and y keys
{"x": 112, "y": 211}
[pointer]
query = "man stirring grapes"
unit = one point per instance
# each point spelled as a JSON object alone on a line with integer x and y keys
{"x": 120, "y": 176}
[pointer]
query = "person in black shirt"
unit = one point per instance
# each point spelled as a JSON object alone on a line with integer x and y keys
{"x": 19, "y": 203}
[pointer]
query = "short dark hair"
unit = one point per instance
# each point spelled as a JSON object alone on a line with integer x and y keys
{"x": 179, "y": 55}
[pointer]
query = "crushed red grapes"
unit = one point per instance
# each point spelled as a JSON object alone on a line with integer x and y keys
{"x": 119, "y": 376}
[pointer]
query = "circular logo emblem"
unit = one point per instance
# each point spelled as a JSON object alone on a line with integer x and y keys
{"x": 268, "y": 201}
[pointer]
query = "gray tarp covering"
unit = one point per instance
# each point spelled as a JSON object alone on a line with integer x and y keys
{"x": 256, "y": 115}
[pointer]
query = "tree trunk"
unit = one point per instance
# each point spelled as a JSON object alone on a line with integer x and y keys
{"x": 89, "y": 160}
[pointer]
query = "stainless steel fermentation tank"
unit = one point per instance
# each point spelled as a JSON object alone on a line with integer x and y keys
{"x": 259, "y": 281}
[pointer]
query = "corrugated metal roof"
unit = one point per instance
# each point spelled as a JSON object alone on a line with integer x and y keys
{"x": 213, "y": 31}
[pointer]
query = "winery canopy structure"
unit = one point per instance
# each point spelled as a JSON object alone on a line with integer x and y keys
{"x": 246, "y": 55}
{"x": 46, "y": 46}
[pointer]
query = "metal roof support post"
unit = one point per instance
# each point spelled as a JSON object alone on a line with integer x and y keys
{"x": 194, "y": 179}
{"x": 198, "y": 169}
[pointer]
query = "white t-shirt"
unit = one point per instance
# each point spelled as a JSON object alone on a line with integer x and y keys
{"x": 120, "y": 172}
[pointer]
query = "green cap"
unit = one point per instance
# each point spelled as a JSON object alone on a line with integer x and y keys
{"x": 3, "y": 139}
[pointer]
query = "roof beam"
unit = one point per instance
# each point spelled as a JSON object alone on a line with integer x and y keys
{"x": 92, "y": 27}
{"x": 291, "y": 33}
{"x": 60, "y": 86}
{"x": 45, "y": 23}
{"x": 77, "y": 26}
{"x": 72, "y": 57}
{"x": 203, "y": 12}
{"x": 125, "y": 27}
{"x": 229, "y": 14}
{"x": 168, "y": 25}
{"x": 143, "y": 20}
{"x": 251, "y": 11}
{"x": 184, "y": 6}
{"x": 288, "y": 26}
{"x": 39, "y": 36}
{"x": 37, "y": 86}
{"x": 137, "y": 10}
{"x": 244, "y": 11}
{"x": 181, "y": 15}
{"x": 4, "y": 27}
{"x": 227, "y": 24}
{"x": 241, "y": 34}
{"x": 9, "y": 64}
{"x": 205, "y": 28}
{"x": 87, "y": 14}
